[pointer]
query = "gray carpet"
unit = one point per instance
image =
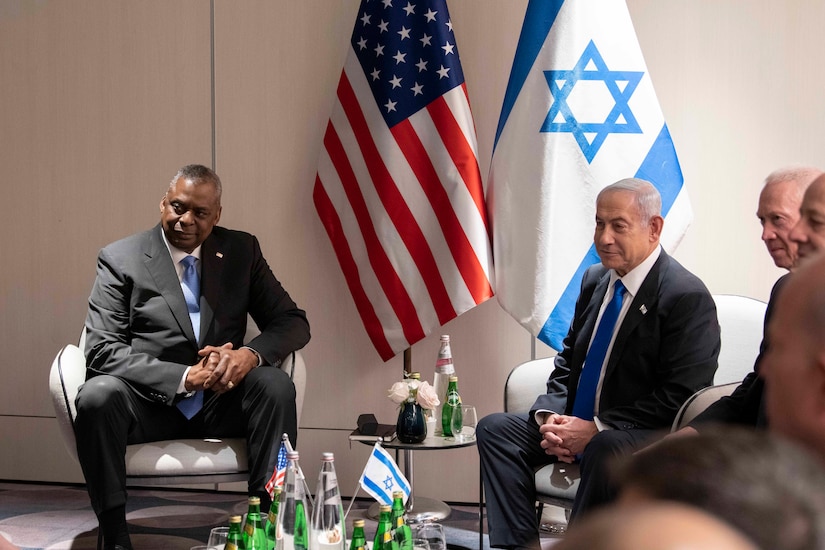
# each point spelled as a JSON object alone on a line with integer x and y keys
{"x": 37, "y": 516}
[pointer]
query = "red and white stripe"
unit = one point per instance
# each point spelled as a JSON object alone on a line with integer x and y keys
{"x": 404, "y": 209}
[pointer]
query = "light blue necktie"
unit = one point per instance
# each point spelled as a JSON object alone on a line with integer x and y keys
{"x": 191, "y": 287}
{"x": 585, "y": 402}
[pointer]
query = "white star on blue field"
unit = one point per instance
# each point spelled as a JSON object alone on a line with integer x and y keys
{"x": 620, "y": 119}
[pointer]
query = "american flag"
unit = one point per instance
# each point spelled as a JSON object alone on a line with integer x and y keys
{"x": 398, "y": 187}
{"x": 277, "y": 479}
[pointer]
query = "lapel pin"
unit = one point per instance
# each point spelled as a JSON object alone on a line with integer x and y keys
{"x": 643, "y": 309}
{"x": 219, "y": 254}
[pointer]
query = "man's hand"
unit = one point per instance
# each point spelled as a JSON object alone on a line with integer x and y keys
{"x": 566, "y": 436}
{"x": 228, "y": 366}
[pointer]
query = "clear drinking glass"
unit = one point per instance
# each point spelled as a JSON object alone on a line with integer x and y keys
{"x": 217, "y": 538}
{"x": 463, "y": 423}
{"x": 433, "y": 533}
{"x": 420, "y": 544}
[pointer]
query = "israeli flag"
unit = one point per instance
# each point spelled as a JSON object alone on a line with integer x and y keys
{"x": 579, "y": 114}
{"x": 381, "y": 476}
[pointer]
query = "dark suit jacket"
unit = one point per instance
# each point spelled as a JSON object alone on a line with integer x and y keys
{"x": 666, "y": 349}
{"x": 744, "y": 406}
{"x": 138, "y": 327}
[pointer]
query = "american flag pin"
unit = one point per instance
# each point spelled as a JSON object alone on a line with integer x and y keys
{"x": 643, "y": 309}
{"x": 219, "y": 254}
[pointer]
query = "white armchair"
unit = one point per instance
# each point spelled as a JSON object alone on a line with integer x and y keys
{"x": 173, "y": 462}
{"x": 741, "y": 320}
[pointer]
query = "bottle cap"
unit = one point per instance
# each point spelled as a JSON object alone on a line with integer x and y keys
{"x": 384, "y": 508}
{"x": 327, "y": 457}
{"x": 234, "y": 519}
{"x": 415, "y": 375}
{"x": 453, "y": 378}
{"x": 277, "y": 490}
{"x": 445, "y": 337}
{"x": 255, "y": 500}
{"x": 292, "y": 455}
{"x": 398, "y": 494}
{"x": 358, "y": 523}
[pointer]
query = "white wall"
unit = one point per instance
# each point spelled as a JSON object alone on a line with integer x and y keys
{"x": 102, "y": 100}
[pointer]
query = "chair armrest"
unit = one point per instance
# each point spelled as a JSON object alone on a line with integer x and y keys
{"x": 67, "y": 373}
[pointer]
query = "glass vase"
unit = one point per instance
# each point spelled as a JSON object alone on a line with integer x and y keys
{"x": 411, "y": 426}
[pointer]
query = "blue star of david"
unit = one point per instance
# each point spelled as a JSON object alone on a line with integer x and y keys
{"x": 620, "y": 120}
{"x": 388, "y": 483}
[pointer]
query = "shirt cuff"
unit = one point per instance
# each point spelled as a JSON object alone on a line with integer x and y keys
{"x": 601, "y": 426}
{"x": 258, "y": 355}
{"x": 182, "y": 385}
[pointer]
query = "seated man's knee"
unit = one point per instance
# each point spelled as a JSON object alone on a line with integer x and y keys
{"x": 271, "y": 383}
{"x": 493, "y": 425}
{"x": 99, "y": 394}
{"x": 605, "y": 443}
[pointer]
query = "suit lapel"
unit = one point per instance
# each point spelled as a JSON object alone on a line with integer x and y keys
{"x": 212, "y": 262}
{"x": 159, "y": 264}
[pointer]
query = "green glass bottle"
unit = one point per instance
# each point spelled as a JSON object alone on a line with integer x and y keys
{"x": 384, "y": 525}
{"x": 389, "y": 542}
{"x": 451, "y": 401}
{"x": 254, "y": 536}
{"x": 359, "y": 539}
{"x": 234, "y": 540}
{"x": 271, "y": 525}
{"x": 401, "y": 531}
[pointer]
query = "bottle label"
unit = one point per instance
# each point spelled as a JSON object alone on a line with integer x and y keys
{"x": 231, "y": 546}
{"x": 453, "y": 398}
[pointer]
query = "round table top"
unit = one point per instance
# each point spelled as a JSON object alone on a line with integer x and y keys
{"x": 430, "y": 443}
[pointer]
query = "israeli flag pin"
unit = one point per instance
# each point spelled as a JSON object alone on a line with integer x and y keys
{"x": 643, "y": 309}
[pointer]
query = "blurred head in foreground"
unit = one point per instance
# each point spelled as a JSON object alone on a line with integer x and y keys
{"x": 653, "y": 526}
{"x": 755, "y": 482}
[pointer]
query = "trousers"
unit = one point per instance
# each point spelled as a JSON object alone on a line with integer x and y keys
{"x": 510, "y": 454}
{"x": 111, "y": 415}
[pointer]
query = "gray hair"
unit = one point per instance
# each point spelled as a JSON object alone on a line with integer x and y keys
{"x": 801, "y": 175}
{"x": 647, "y": 197}
{"x": 199, "y": 174}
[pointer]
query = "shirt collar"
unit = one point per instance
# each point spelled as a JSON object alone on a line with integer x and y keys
{"x": 634, "y": 278}
{"x": 178, "y": 254}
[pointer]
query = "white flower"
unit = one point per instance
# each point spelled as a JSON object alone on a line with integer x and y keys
{"x": 399, "y": 392}
{"x": 427, "y": 397}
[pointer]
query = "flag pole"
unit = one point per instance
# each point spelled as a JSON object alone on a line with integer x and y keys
{"x": 407, "y": 362}
{"x": 355, "y": 493}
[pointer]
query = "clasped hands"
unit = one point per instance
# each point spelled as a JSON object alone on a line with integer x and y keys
{"x": 220, "y": 369}
{"x": 566, "y": 436}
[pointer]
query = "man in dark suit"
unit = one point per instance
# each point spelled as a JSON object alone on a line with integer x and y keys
{"x": 164, "y": 346}
{"x": 613, "y": 396}
{"x": 778, "y": 212}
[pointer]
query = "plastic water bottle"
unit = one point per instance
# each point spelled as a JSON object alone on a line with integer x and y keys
{"x": 291, "y": 533}
{"x": 443, "y": 370}
{"x": 328, "y": 530}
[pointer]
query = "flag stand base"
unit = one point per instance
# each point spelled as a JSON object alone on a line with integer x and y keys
{"x": 423, "y": 509}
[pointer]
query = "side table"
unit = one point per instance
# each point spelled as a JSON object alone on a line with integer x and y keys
{"x": 420, "y": 509}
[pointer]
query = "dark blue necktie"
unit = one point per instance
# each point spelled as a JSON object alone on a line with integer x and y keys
{"x": 191, "y": 287}
{"x": 585, "y": 402}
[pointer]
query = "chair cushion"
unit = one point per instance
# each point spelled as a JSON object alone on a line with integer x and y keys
{"x": 558, "y": 481}
{"x": 186, "y": 457}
